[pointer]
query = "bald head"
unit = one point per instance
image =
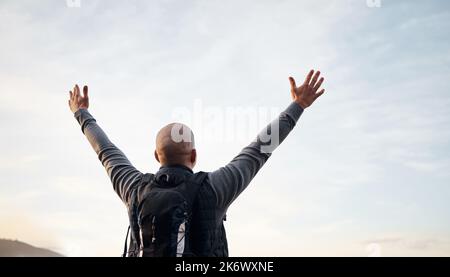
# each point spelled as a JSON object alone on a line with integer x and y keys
{"x": 175, "y": 145}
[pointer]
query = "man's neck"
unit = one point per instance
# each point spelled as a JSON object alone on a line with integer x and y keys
{"x": 182, "y": 166}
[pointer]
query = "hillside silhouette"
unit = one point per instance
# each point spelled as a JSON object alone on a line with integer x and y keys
{"x": 15, "y": 248}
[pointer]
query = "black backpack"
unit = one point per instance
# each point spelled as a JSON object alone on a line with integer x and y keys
{"x": 160, "y": 214}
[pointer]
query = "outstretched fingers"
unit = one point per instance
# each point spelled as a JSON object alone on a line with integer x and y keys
{"x": 85, "y": 91}
{"x": 317, "y": 95}
{"x": 314, "y": 79}
{"x": 77, "y": 89}
{"x": 293, "y": 87}
{"x": 292, "y": 81}
{"x": 317, "y": 86}
{"x": 76, "y": 93}
{"x": 308, "y": 78}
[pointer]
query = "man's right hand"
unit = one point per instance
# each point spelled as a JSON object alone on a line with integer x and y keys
{"x": 77, "y": 101}
{"x": 306, "y": 94}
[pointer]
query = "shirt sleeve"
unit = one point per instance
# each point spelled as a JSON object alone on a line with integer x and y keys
{"x": 123, "y": 175}
{"x": 230, "y": 180}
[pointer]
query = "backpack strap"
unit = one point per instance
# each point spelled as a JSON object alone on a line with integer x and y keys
{"x": 145, "y": 179}
{"x": 125, "y": 247}
{"x": 194, "y": 183}
{"x": 132, "y": 214}
{"x": 191, "y": 189}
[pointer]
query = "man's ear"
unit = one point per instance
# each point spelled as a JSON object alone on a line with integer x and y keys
{"x": 156, "y": 156}
{"x": 193, "y": 156}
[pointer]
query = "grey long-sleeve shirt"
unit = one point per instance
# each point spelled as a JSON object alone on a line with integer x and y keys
{"x": 227, "y": 182}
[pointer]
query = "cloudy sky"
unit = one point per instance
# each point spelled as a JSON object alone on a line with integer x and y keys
{"x": 365, "y": 172}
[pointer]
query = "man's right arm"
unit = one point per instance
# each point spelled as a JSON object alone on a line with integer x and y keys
{"x": 124, "y": 176}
